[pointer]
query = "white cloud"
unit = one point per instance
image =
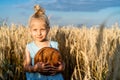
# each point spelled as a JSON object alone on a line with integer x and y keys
{"x": 68, "y": 5}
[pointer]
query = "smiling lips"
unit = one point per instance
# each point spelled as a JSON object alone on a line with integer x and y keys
{"x": 39, "y": 37}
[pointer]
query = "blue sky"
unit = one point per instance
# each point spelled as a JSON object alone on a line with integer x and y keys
{"x": 63, "y": 12}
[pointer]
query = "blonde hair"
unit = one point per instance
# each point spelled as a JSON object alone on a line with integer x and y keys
{"x": 40, "y": 15}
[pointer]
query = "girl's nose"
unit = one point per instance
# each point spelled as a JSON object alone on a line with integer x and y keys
{"x": 39, "y": 32}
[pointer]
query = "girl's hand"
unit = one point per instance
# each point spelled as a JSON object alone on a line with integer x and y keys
{"x": 42, "y": 67}
{"x": 58, "y": 69}
{"x": 53, "y": 70}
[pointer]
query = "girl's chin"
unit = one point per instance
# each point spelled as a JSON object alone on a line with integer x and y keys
{"x": 41, "y": 40}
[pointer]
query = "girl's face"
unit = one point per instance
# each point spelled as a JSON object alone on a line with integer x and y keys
{"x": 38, "y": 30}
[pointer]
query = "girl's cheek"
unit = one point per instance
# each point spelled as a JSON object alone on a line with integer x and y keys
{"x": 33, "y": 33}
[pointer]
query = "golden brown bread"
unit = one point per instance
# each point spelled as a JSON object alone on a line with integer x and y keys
{"x": 48, "y": 55}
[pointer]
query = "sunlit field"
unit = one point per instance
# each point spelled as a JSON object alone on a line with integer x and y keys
{"x": 89, "y": 53}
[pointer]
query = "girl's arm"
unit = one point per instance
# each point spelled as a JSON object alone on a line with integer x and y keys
{"x": 39, "y": 67}
{"x": 61, "y": 67}
{"x": 27, "y": 62}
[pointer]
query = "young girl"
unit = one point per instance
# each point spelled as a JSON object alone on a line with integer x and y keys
{"x": 39, "y": 28}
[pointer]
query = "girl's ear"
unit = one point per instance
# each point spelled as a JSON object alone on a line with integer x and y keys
{"x": 48, "y": 29}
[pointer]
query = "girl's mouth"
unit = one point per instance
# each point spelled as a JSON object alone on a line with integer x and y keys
{"x": 39, "y": 37}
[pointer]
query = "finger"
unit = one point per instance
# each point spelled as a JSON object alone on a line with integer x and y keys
{"x": 59, "y": 62}
{"x": 40, "y": 63}
{"x": 46, "y": 69}
{"x": 46, "y": 64}
{"x": 54, "y": 68}
{"x": 52, "y": 72}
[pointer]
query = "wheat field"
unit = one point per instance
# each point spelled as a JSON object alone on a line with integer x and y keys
{"x": 89, "y": 53}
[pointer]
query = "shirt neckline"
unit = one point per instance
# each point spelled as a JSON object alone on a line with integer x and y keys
{"x": 42, "y": 47}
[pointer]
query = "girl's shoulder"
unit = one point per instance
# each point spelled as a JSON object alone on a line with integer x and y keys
{"x": 54, "y": 44}
{"x": 30, "y": 44}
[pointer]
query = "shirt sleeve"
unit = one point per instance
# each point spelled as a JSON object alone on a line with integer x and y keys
{"x": 54, "y": 44}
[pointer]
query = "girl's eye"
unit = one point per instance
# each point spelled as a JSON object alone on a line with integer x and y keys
{"x": 34, "y": 29}
{"x": 43, "y": 29}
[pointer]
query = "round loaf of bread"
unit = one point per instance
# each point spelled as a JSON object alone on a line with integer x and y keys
{"x": 48, "y": 55}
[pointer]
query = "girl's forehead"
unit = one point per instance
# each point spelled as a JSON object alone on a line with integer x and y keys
{"x": 37, "y": 27}
{"x": 37, "y": 23}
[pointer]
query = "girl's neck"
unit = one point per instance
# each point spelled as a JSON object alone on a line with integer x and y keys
{"x": 45, "y": 43}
